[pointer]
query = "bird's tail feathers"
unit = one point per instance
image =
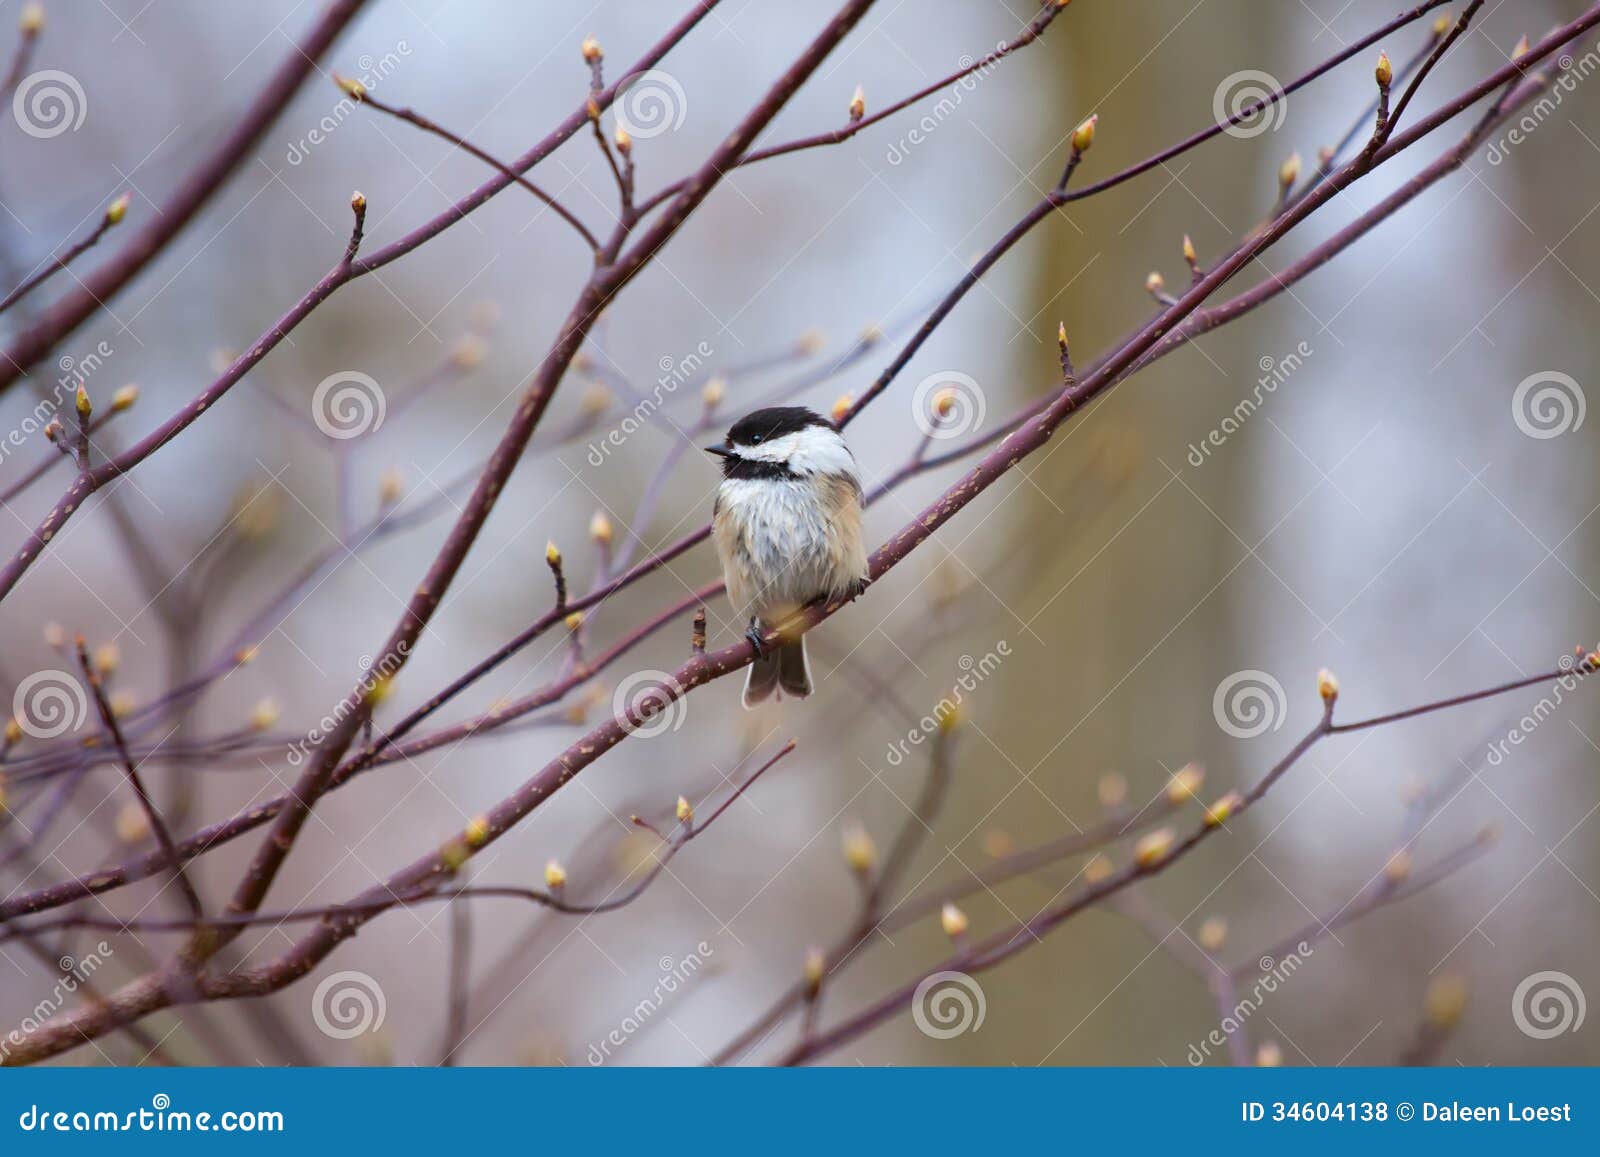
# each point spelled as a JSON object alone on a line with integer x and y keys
{"x": 783, "y": 669}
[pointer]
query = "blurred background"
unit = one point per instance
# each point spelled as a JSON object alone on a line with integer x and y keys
{"x": 1389, "y": 507}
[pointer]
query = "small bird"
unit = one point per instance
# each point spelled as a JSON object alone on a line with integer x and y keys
{"x": 787, "y": 525}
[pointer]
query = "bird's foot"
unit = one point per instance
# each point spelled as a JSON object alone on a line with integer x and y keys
{"x": 753, "y": 634}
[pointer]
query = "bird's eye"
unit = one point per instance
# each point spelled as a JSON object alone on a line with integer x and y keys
{"x": 754, "y": 438}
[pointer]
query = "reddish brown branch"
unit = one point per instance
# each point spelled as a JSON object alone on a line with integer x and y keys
{"x": 112, "y": 216}
{"x": 197, "y": 187}
{"x": 158, "y": 826}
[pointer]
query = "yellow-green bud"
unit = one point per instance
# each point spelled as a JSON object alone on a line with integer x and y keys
{"x": 953, "y": 920}
{"x": 1153, "y": 847}
{"x": 1083, "y": 135}
{"x": 859, "y": 850}
{"x": 1185, "y": 782}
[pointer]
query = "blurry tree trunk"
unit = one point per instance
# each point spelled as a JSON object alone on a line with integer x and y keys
{"x": 1108, "y": 585}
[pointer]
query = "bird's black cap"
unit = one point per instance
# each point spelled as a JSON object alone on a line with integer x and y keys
{"x": 773, "y": 422}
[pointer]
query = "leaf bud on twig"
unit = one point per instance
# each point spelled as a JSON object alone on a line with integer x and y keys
{"x": 1083, "y": 135}
{"x": 859, "y": 850}
{"x": 1185, "y": 783}
{"x": 1153, "y": 847}
{"x": 953, "y": 920}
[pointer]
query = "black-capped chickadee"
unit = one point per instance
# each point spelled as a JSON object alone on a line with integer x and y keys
{"x": 787, "y": 525}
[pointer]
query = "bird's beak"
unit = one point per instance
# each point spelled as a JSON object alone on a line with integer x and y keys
{"x": 719, "y": 450}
